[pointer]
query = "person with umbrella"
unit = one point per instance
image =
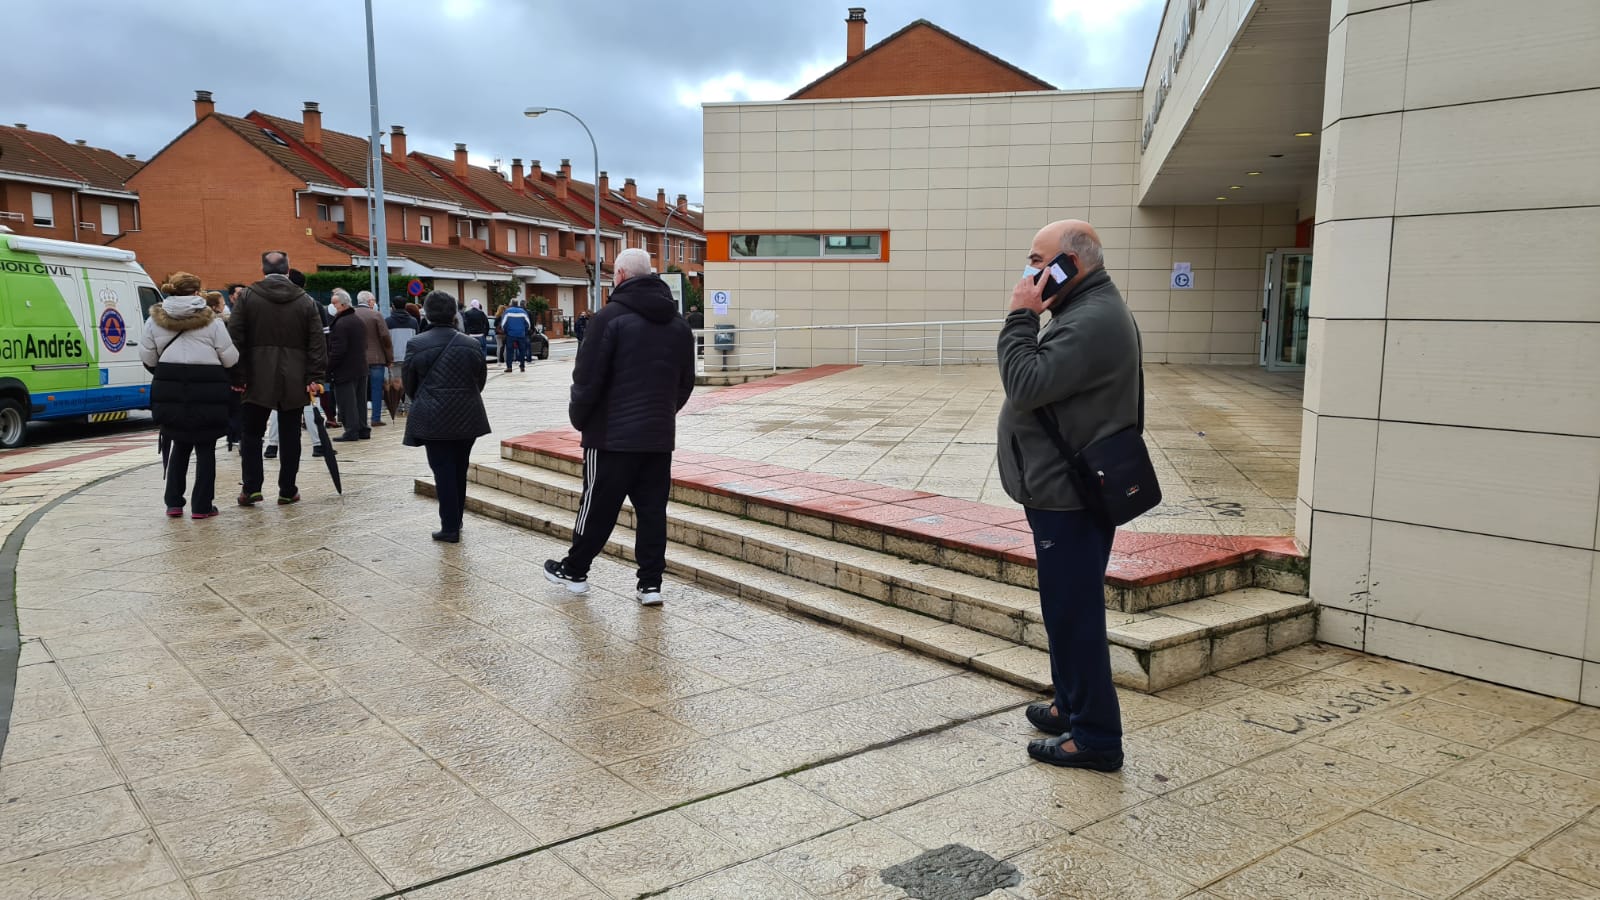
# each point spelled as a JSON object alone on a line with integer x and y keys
{"x": 444, "y": 377}
{"x": 278, "y": 331}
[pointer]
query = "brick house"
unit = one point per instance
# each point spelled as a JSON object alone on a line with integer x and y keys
{"x": 919, "y": 59}
{"x": 65, "y": 190}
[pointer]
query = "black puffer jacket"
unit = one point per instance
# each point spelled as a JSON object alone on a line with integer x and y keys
{"x": 444, "y": 376}
{"x": 635, "y": 370}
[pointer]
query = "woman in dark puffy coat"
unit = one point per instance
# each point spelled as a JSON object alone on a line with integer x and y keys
{"x": 187, "y": 347}
{"x": 444, "y": 376}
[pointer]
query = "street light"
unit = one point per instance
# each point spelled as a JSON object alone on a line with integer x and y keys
{"x": 534, "y": 112}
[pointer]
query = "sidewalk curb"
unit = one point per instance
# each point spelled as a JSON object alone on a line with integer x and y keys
{"x": 10, "y": 633}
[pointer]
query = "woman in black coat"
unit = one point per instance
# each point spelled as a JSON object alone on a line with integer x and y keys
{"x": 444, "y": 376}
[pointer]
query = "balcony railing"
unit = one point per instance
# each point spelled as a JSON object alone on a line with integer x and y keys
{"x": 935, "y": 343}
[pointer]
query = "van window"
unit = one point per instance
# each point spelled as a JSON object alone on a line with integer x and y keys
{"x": 148, "y": 297}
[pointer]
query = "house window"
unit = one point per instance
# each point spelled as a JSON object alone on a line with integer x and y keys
{"x": 583, "y": 247}
{"x": 44, "y": 210}
{"x": 680, "y": 250}
{"x": 425, "y": 229}
{"x": 483, "y": 233}
{"x": 544, "y": 244}
{"x": 332, "y": 212}
{"x": 110, "y": 219}
{"x": 511, "y": 240}
{"x": 804, "y": 246}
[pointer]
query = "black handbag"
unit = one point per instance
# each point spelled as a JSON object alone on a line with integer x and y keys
{"x": 1113, "y": 476}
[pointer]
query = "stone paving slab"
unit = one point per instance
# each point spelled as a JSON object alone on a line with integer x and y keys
{"x": 319, "y": 701}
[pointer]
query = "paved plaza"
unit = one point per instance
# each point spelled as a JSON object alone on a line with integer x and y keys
{"x": 318, "y": 701}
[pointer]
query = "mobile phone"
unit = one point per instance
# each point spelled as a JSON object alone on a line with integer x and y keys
{"x": 1061, "y": 270}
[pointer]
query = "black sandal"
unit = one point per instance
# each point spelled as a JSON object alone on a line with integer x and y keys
{"x": 1049, "y": 751}
{"x": 1042, "y": 718}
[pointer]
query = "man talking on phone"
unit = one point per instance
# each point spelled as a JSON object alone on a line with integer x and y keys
{"x": 1081, "y": 372}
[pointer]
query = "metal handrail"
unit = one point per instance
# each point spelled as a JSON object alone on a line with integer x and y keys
{"x": 873, "y": 345}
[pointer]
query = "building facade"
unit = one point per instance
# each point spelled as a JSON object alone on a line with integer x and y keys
{"x": 1436, "y": 159}
{"x": 65, "y": 190}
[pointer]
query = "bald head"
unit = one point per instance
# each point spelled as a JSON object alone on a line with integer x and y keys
{"x": 274, "y": 262}
{"x": 1071, "y": 236}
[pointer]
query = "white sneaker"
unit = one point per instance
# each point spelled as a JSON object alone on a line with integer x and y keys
{"x": 649, "y": 596}
{"x": 555, "y": 573}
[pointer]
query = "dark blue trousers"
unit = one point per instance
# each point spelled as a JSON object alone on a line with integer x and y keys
{"x": 1074, "y": 550}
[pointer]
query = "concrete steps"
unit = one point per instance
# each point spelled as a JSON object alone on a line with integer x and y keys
{"x": 987, "y": 625}
{"x": 1130, "y": 587}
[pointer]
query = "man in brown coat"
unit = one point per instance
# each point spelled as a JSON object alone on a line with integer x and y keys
{"x": 283, "y": 357}
{"x": 380, "y": 355}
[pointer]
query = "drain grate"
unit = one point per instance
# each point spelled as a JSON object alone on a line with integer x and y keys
{"x": 952, "y": 872}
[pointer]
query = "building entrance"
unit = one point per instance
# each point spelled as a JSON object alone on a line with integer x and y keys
{"x": 1285, "y": 318}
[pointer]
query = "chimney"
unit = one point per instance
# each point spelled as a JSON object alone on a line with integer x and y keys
{"x": 535, "y": 172}
{"x": 397, "y": 144}
{"x": 20, "y": 126}
{"x": 566, "y": 168}
{"x": 132, "y": 156}
{"x": 202, "y": 105}
{"x": 461, "y": 161}
{"x": 630, "y": 191}
{"x": 605, "y": 183}
{"x": 312, "y": 123}
{"x": 81, "y": 142}
{"x": 855, "y": 32}
{"x": 683, "y": 203}
{"x": 561, "y": 186}
{"x": 661, "y": 199}
{"x": 517, "y": 183}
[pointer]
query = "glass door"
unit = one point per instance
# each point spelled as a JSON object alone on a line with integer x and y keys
{"x": 1288, "y": 309}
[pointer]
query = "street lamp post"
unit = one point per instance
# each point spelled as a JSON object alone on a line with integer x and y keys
{"x": 534, "y": 112}
{"x": 378, "y": 227}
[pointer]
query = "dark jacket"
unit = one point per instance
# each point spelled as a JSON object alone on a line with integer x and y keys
{"x": 279, "y": 335}
{"x": 696, "y": 319}
{"x": 399, "y": 318}
{"x": 635, "y": 370}
{"x": 444, "y": 376}
{"x": 347, "y": 347}
{"x": 1084, "y": 368}
{"x": 476, "y": 321}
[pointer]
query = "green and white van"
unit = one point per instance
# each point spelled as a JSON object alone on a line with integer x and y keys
{"x": 71, "y": 318}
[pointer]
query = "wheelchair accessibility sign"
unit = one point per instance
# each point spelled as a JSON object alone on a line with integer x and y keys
{"x": 719, "y": 303}
{"x": 1182, "y": 276}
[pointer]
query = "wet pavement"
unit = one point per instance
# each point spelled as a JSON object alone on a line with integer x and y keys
{"x": 319, "y": 701}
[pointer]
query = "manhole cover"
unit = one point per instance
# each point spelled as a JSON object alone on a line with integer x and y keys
{"x": 952, "y": 872}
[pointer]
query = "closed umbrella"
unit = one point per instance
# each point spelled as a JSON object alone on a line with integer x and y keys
{"x": 329, "y": 455}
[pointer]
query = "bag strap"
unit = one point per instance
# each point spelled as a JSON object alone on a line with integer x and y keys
{"x": 1053, "y": 430}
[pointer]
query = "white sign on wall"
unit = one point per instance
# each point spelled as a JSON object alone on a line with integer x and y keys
{"x": 1182, "y": 276}
{"x": 719, "y": 303}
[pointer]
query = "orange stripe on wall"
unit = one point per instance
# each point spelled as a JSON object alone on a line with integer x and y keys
{"x": 717, "y": 248}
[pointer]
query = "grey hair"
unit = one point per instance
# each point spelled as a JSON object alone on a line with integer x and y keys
{"x": 633, "y": 262}
{"x": 1084, "y": 245}
{"x": 367, "y": 299}
{"x": 341, "y": 296}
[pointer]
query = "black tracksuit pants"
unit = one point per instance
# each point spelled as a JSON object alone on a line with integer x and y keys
{"x": 645, "y": 479}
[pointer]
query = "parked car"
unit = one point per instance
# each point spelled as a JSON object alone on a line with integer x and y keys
{"x": 541, "y": 345}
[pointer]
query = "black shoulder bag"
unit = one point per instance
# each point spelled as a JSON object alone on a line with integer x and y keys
{"x": 1113, "y": 476}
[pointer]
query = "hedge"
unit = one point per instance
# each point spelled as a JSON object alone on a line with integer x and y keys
{"x": 320, "y": 284}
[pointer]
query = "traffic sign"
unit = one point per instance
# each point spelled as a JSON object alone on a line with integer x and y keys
{"x": 415, "y": 288}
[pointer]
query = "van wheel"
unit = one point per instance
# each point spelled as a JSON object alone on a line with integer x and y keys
{"x": 13, "y": 424}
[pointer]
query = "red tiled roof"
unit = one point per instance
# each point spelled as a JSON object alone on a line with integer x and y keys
{"x": 276, "y": 150}
{"x": 920, "y": 23}
{"x": 348, "y": 155}
{"x": 452, "y": 257}
{"x": 565, "y": 268}
{"x": 493, "y": 190}
{"x": 45, "y": 155}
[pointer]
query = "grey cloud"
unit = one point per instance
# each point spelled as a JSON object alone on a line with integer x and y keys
{"x": 121, "y": 73}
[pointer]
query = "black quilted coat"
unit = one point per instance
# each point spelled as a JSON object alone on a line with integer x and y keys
{"x": 635, "y": 370}
{"x": 444, "y": 376}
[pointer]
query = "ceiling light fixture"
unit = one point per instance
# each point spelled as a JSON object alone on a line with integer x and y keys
{"x": 1276, "y": 155}
{"x": 1235, "y": 187}
{"x": 1304, "y": 134}
{"x": 1222, "y": 198}
{"x": 1252, "y": 173}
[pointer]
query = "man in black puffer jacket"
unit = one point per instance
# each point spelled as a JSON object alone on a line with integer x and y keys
{"x": 635, "y": 370}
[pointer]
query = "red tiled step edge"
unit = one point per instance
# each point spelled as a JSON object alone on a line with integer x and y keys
{"x": 1138, "y": 559}
{"x": 704, "y": 400}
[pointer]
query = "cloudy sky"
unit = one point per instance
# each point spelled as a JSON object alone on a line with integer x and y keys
{"x": 122, "y": 73}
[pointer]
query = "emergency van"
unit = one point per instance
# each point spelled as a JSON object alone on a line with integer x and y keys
{"x": 71, "y": 318}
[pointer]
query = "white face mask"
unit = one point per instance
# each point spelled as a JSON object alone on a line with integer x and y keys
{"x": 1030, "y": 272}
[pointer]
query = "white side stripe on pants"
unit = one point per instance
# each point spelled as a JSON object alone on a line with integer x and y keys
{"x": 591, "y": 463}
